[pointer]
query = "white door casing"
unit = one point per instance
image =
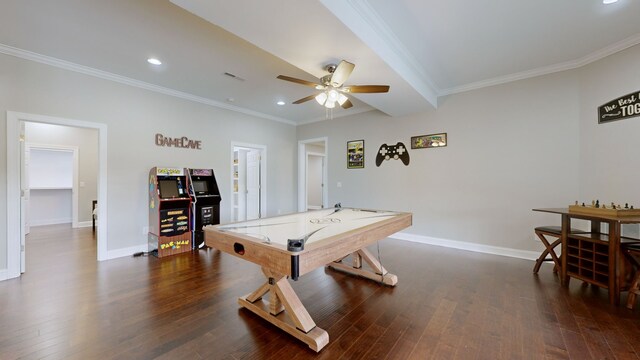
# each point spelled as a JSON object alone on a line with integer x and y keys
{"x": 14, "y": 201}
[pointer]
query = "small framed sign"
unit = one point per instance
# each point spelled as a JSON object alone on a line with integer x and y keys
{"x": 624, "y": 107}
{"x": 429, "y": 141}
{"x": 355, "y": 154}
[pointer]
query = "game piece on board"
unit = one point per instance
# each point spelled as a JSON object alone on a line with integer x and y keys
{"x": 613, "y": 205}
{"x": 593, "y": 203}
{"x": 582, "y": 204}
{"x": 576, "y": 202}
{"x": 597, "y": 204}
{"x": 626, "y": 205}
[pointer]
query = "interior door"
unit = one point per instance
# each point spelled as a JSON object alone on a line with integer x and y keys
{"x": 253, "y": 184}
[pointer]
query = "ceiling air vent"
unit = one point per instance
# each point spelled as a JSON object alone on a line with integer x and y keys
{"x": 233, "y": 76}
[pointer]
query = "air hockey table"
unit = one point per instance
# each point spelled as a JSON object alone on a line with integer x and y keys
{"x": 290, "y": 246}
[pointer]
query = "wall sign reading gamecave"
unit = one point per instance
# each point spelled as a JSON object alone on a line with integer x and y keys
{"x": 179, "y": 142}
{"x": 621, "y": 108}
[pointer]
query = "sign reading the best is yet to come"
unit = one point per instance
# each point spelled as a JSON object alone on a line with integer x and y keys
{"x": 621, "y": 108}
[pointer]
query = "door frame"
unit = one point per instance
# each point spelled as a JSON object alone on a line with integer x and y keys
{"x": 263, "y": 176}
{"x": 74, "y": 184}
{"x": 302, "y": 172}
{"x": 14, "y": 189}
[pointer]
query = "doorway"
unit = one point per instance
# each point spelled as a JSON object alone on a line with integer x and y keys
{"x": 312, "y": 174}
{"x": 50, "y": 182}
{"x": 315, "y": 180}
{"x": 248, "y": 181}
{"x": 16, "y": 184}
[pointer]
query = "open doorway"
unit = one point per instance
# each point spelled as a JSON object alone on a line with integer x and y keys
{"x": 315, "y": 180}
{"x": 248, "y": 181}
{"x": 18, "y": 182}
{"x": 312, "y": 174}
{"x": 50, "y": 181}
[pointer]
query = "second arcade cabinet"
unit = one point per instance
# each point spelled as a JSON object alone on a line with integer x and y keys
{"x": 205, "y": 203}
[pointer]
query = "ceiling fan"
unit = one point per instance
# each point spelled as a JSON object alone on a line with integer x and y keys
{"x": 332, "y": 88}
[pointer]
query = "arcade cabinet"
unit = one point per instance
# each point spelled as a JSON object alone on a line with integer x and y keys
{"x": 169, "y": 211}
{"x": 205, "y": 203}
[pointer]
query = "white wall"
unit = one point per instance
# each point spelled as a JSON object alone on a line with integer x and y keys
{"x": 609, "y": 155}
{"x": 513, "y": 147}
{"x": 510, "y": 148}
{"x": 133, "y": 117}
{"x": 50, "y": 206}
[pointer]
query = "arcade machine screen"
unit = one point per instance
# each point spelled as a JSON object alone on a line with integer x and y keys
{"x": 168, "y": 189}
{"x": 200, "y": 187}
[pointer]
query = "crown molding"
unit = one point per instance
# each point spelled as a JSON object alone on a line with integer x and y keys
{"x": 567, "y": 65}
{"x": 364, "y": 21}
{"x": 66, "y": 65}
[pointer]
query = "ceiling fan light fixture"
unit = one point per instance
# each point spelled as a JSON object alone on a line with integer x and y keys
{"x": 321, "y": 98}
{"x": 342, "y": 99}
{"x": 333, "y": 95}
{"x": 330, "y": 104}
{"x": 607, "y": 2}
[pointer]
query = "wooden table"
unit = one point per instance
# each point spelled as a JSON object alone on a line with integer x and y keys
{"x": 594, "y": 257}
{"x": 292, "y": 245}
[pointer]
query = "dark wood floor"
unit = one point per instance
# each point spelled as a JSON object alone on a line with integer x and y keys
{"x": 448, "y": 304}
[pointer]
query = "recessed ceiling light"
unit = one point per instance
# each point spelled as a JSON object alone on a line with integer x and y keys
{"x": 280, "y": 103}
{"x": 154, "y": 61}
{"x": 607, "y": 2}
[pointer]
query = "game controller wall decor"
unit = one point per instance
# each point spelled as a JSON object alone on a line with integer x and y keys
{"x": 392, "y": 152}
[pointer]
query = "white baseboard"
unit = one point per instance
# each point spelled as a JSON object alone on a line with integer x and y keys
{"x": 82, "y": 224}
{"x": 314, "y": 207}
{"x": 487, "y": 249}
{"x": 118, "y": 253}
{"x": 49, "y": 222}
{"x": 4, "y": 274}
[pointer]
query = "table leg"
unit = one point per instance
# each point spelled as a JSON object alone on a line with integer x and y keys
{"x": 566, "y": 225}
{"x": 379, "y": 273}
{"x": 285, "y": 310}
{"x": 614, "y": 262}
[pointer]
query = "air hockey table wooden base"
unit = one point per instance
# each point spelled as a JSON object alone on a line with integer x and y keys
{"x": 292, "y": 245}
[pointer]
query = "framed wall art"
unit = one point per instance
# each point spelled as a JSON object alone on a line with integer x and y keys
{"x": 429, "y": 141}
{"x": 355, "y": 154}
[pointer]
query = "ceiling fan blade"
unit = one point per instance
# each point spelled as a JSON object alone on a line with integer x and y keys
{"x": 366, "y": 89}
{"x": 347, "y": 104}
{"x": 341, "y": 73}
{"x": 300, "y": 81}
{"x": 305, "y": 99}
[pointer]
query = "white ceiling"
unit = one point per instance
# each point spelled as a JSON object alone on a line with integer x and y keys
{"x": 422, "y": 49}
